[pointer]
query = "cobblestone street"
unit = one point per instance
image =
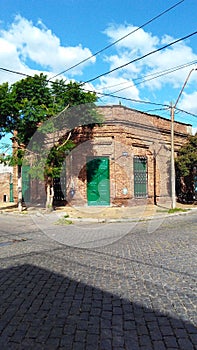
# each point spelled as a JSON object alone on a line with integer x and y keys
{"x": 137, "y": 292}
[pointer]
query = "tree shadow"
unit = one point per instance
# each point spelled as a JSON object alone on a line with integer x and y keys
{"x": 41, "y": 309}
{"x": 7, "y": 205}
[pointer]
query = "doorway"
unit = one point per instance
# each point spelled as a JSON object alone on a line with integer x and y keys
{"x": 98, "y": 184}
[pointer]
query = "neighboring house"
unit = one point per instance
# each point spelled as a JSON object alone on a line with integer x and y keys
{"x": 6, "y": 185}
{"x": 124, "y": 162}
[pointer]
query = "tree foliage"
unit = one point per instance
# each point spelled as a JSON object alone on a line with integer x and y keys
{"x": 33, "y": 106}
{"x": 187, "y": 157}
{"x": 31, "y": 101}
{"x": 6, "y": 108}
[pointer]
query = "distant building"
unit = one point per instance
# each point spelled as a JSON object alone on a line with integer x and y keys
{"x": 6, "y": 185}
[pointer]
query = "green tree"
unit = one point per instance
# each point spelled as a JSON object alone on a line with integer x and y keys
{"x": 186, "y": 162}
{"x": 6, "y": 108}
{"x": 187, "y": 156}
{"x": 28, "y": 103}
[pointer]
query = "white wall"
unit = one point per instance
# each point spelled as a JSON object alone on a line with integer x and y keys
{"x": 5, "y": 169}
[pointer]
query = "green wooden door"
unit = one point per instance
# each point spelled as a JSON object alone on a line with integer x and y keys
{"x": 11, "y": 189}
{"x": 26, "y": 183}
{"x": 11, "y": 193}
{"x": 98, "y": 186}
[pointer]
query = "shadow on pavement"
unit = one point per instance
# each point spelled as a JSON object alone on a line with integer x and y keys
{"x": 8, "y": 206}
{"x": 43, "y": 310}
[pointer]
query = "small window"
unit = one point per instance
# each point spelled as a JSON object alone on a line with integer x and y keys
{"x": 140, "y": 177}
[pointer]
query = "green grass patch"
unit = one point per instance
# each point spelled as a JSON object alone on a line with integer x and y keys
{"x": 176, "y": 210}
{"x": 63, "y": 221}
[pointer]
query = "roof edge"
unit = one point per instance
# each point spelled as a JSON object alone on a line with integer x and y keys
{"x": 144, "y": 113}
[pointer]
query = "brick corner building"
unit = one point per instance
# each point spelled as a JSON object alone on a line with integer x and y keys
{"x": 123, "y": 162}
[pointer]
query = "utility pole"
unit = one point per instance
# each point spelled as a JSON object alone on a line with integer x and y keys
{"x": 173, "y": 191}
{"x": 172, "y": 110}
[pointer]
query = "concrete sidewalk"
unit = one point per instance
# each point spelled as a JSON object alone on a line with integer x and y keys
{"x": 105, "y": 213}
{"x": 112, "y": 214}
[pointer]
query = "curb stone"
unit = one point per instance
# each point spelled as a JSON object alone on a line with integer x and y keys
{"x": 42, "y": 213}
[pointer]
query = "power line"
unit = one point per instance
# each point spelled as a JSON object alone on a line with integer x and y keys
{"x": 125, "y": 98}
{"x": 105, "y": 94}
{"x": 161, "y": 73}
{"x": 182, "y": 110}
{"x": 24, "y": 74}
{"x": 140, "y": 101}
{"x": 154, "y": 76}
{"x": 141, "y": 57}
{"x": 115, "y": 42}
{"x": 87, "y": 90}
{"x": 14, "y": 72}
{"x": 155, "y": 110}
{"x": 178, "y": 109}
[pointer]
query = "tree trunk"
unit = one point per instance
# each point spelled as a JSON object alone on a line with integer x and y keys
{"x": 20, "y": 206}
{"x": 50, "y": 194}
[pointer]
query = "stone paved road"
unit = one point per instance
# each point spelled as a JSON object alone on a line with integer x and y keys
{"x": 138, "y": 292}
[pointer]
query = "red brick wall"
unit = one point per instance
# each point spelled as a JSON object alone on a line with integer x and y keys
{"x": 135, "y": 134}
{"x": 4, "y": 187}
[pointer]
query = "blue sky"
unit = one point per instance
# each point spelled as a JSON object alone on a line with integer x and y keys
{"x": 50, "y": 36}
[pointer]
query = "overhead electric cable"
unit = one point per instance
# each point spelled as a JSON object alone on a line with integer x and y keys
{"x": 24, "y": 74}
{"x": 117, "y": 41}
{"x": 125, "y": 98}
{"x": 182, "y": 110}
{"x": 108, "y": 94}
{"x": 14, "y": 72}
{"x": 140, "y": 58}
{"x": 155, "y": 110}
{"x": 165, "y": 72}
{"x": 154, "y": 76}
{"x": 139, "y": 101}
{"x": 87, "y": 90}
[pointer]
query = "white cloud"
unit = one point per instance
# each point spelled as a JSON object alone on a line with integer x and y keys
{"x": 26, "y": 44}
{"x": 30, "y": 48}
{"x": 194, "y": 131}
{"x": 189, "y": 102}
{"x": 171, "y": 57}
{"x": 120, "y": 60}
{"x": 141, "y": 43}
{"x": 9, "y": 59}
{"x": 112, "y": 85}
